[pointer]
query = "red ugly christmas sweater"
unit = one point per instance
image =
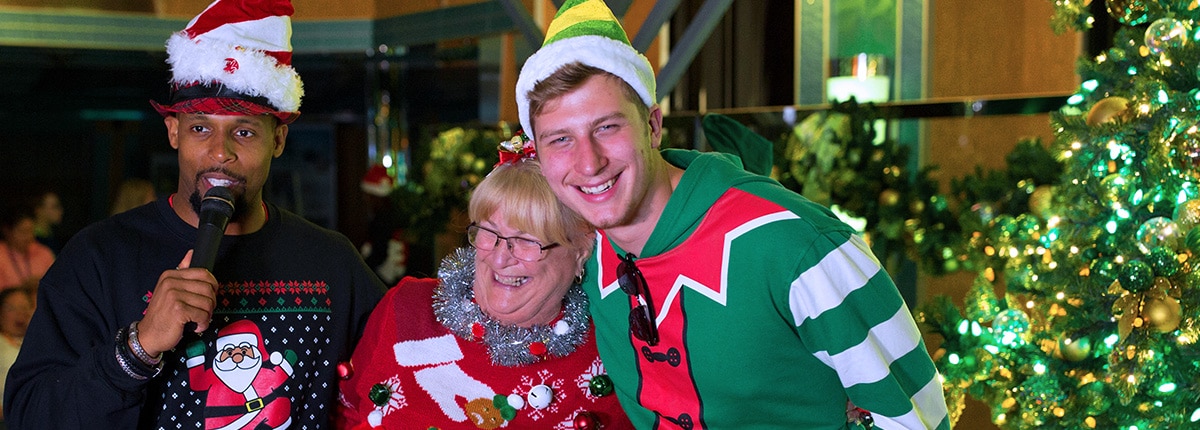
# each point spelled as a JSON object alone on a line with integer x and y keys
{"x": 426, "y": 377}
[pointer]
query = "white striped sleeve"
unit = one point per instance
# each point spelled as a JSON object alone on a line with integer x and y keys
{"x": 929, "y": 399}
{"x": 868, "y": 361}
{"x": 826, "y": 285}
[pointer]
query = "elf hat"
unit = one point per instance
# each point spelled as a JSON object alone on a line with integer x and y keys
{"x": 585, "y": 31}
{"x": 235, "y": 58}
{"x": 377, "y": 181}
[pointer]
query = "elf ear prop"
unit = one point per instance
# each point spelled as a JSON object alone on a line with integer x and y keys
{"x": 726, "y": 135}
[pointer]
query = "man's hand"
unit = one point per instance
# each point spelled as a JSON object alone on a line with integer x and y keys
{"x": 182, "y": 295}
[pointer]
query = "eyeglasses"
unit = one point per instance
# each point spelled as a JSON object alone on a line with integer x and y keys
{"x": 485, "y": 239}
{"x": 641, "y": 317}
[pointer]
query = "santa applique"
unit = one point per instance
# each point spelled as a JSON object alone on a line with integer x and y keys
{"x": 242, "y": 392}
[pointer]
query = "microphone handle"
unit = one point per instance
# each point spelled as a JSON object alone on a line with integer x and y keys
{"x": 208, "y": 240}
{"x": 204, "y": 254}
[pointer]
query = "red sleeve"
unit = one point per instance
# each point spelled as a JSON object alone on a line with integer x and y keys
{"x": 378, "y": 338}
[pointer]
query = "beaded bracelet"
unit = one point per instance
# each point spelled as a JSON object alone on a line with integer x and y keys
{"x": 137, "y": 347}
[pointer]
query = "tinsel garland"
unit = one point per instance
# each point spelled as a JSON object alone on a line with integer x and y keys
{"x": 455, "y": 308}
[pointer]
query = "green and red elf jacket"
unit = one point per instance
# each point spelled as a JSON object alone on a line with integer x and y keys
{"x": 771, "y": 313}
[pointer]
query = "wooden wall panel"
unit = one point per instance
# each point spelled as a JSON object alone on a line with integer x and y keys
{"x": 186, "y": 9}
{"x": 146, "y": 6}
{"x": 305, "y": 9}
{"x": 390, "y": 8}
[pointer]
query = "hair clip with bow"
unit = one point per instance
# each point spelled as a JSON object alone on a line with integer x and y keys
{"x": 518, "y": 148}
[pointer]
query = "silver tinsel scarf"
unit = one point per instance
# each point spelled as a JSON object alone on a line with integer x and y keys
{"x": 455, "y": 308}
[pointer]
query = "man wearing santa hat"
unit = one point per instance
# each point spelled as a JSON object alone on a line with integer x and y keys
{"x": 123, "y": 318}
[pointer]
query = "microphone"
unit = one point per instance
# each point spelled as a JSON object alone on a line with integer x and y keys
{"x": 215, "y": 210}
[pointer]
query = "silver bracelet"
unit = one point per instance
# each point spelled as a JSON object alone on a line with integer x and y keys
{"x": 137, "y": 347}
{"x": 125, "y": 366}
{"x": 130, "y": 364}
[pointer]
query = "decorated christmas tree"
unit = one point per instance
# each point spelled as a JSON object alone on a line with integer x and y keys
{"x": 1086, "y": 309}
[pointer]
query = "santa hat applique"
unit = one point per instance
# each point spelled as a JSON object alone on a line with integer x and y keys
{"x": 238, "y": 333}
{"x": 235, "y": 58}
{"x": 585, "y": 31}
{"x": 377, "y": 181}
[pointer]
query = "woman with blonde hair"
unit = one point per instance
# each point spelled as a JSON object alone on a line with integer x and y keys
{"x": 502, "y": 337}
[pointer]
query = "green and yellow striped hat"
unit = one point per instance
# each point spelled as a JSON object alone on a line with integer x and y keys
{"x": 585, "y": 31}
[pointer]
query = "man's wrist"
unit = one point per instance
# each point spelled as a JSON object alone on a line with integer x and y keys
{"x": 136, "y": 346}
{"x": 132, "y": 365}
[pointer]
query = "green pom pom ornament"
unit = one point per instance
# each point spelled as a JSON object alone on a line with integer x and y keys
{"x": 1137, "y": 276}
{"x": 1162, "y": 261}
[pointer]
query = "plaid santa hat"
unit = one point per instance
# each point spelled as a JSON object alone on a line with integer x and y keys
{"x": 235, "y": 58}
{"x": 585, "y": 31}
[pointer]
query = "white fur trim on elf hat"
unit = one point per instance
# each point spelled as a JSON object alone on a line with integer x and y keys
{"x": 600, "y": 52}
{"x": 256, "y": 73}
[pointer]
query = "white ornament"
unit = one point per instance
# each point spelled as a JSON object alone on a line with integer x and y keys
{"x": 375, "y": 418}
{"x": 561, "y": 327}
{"x": 540, "y": 396}
{"x": 516, "y": 401}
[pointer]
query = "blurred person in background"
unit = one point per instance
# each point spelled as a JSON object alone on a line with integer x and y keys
{"x": 16, "y": 307}
{"x": 23, "y": 260}
{"x": 132, "y": 193}
{"x": 47, "y": 215}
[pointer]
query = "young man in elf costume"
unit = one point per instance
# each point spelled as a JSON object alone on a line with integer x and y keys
{"x": 720, "y": 298}
{"x": 125, "y": 324}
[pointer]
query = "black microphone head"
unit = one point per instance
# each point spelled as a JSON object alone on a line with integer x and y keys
{"x": 218, "y": 199}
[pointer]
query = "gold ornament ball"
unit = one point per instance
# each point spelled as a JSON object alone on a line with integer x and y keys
{"x": 1040, "y": 200}
{"x": 916, "y": 207}
{"x": 889, "y": 198}
{"x": 1128, "y": 12}
{"x": 1074, "y": 349}
{"x": 1107, "y": 109}
{"x": 1162, "y": 313}
{"x": 1187, "y": 215}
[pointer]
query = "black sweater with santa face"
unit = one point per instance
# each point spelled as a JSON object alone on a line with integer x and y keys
{"x": 304, "y": 287}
